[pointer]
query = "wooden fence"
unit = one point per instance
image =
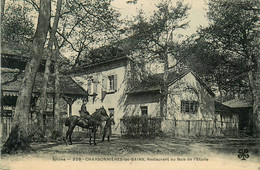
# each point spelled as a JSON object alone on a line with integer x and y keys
{"x": 6, "y": 125}
{"x": 177, "y": 128}
{"x": 78, "y": 132}
{"x": 136, "y": 126}
{"x": 186, "y": 128}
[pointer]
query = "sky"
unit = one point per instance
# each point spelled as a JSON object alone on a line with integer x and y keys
{"x": 197, "y": 12}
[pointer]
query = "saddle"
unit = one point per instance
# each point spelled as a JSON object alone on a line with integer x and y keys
{"x": 86, "y": 123}
{"x": 84, "y": 115}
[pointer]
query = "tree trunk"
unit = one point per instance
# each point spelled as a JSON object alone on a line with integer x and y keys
{"x": 254, "y": 82}
{"x": 18, "y": 139}
{"x": 43, "y": 96}
{"x": 57, "y": 130}
{"x": 255, "y": 88}
{"x": 2, "y": 9}
{"x": 164, "y": 91}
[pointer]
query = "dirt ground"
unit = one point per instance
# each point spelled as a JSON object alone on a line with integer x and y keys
{"x": 222, "y": 151}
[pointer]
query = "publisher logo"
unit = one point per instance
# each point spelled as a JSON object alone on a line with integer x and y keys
{"x": 243, "y": 154}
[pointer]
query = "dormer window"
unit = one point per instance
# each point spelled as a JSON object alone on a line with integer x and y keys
{"x": 144, "y": 110}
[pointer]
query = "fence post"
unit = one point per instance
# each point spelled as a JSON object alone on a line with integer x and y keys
{"x": 175, "y": 129}
{"x": 226, "y": 125}
{"x": 188, "y": 127}
{"x": 207, "y": 131}
{"x": 200, "y": 126}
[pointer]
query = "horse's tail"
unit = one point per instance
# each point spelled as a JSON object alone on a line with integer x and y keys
{"x": 67, "y": 121}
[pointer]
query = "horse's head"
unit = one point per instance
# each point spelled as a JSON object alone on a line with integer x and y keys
{"x": 103, "y": 112}
{"x": 100, "y": 114}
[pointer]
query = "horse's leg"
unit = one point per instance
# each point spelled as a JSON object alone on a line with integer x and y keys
{"x": 70, "y": 133}
{"x": 95, "y": 131}
{"x": 90, "y": 136}
{"x": 67, "y": 134}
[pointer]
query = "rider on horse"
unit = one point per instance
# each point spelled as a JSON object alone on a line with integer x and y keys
{"x": 83, "y": 111}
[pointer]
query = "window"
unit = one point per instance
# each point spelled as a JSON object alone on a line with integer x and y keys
{"x": 92, "y": 86}
{"x": 111, "y": 110}
{"x": 112, "y": 86}
{"x": 111, "y": 82}
{"x": 189, "y": 106}
{"x": 7, "y": 113}
{"x": 144, "y": 110}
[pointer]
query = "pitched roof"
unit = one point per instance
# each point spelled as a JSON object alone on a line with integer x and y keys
{"x": 118, "y": 49}
{"x": 12, "y": 80}
{"x": 90, "y": 67}
{"x": 145, "y": 87}
{"x": 223, "y": 109}
{"x": 154, "y": 82}
{"x": 22, "y": 52}
{"x": 237, "y": 103}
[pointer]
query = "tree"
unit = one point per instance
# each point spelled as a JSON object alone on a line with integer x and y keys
{"x": 50, "y": 56}
{"x": 18, "y": 139}
{"x": 220, "y": 70}
{"x": 89, "y": 17}
{"x": 86, "y": 25}
{"x": 16, "y": 27}
{"x": 155, "y": 37}
{"x": 2, "y": 9}
{"x": 234, "y": 29}
{"x": 17, "y": 36}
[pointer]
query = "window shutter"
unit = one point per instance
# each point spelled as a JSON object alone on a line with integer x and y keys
{"x": 182, "y": 106}
{"x": 95, "y": 82}
{"x": 103, "y": 88}
{"x": 196, "y": 106}
{"x": 104, "y": 84}
{"x": 115, "y": 82}
{"x": 89, "y": 86}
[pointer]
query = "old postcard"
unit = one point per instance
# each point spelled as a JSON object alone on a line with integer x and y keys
{"x": 130, "y": 84}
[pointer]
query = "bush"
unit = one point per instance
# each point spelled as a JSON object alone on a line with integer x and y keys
{"x": 140, "y": 126}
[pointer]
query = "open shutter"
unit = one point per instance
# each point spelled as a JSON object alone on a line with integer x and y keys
{"x": 89, "y": 87}
{"x": 115, "y": 82}
{"x": 95, "y": 83}
{"x": 104, "y": 88}
{"x": 104, "y": 84}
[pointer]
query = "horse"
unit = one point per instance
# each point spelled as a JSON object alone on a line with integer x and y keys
{"x": 92, "y": 123}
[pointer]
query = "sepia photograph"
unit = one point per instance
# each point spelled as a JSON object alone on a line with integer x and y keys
{"x": 130, "y": 84}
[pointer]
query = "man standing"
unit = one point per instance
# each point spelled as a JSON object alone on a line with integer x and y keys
{"x": 107, "y": 129}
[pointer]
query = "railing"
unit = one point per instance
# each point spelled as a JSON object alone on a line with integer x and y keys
{"x": 184, "y": 128}
{"x": 138, "y": 125}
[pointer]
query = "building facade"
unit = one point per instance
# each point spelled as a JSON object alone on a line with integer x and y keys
{"x": 106, "y": 84}
{"x": 190, "y": 103}
{"x": 12, "y": 72}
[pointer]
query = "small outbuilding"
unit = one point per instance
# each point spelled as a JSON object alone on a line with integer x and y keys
{"x": 244, "y": 109}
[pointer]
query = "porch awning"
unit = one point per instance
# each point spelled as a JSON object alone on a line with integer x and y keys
{"x": 11, "y": 83}
{"x": 15, "y": 93}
